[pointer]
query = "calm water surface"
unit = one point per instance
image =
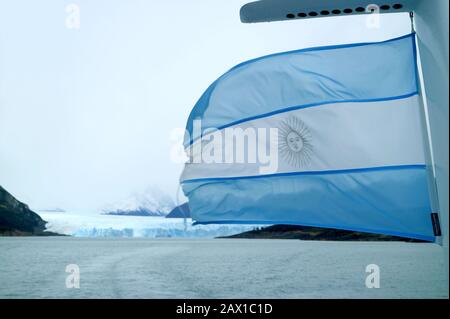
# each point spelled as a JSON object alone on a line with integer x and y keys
{"x": 217, "y": 268}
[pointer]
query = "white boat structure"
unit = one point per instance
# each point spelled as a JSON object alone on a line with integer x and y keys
{"x": 430, "y": 20}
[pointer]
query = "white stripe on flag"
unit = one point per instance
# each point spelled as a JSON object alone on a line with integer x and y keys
{"x": 341, "y": 136}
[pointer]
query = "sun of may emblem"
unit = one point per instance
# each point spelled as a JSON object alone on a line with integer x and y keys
{"x": 295, "y": 142}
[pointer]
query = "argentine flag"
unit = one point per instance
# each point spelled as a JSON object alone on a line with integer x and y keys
{"x": 329, "y": 137}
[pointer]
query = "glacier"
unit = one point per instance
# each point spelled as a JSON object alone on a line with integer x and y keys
{"x": 98, "y": 225}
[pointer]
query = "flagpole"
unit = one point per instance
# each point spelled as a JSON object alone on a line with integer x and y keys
{"x": 428, "y": 143}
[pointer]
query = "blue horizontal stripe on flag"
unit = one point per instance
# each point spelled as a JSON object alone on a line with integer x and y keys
{"x": 259, "y": 87}
{"x": 323, "y": 48}
{"x": 392, "y": 201}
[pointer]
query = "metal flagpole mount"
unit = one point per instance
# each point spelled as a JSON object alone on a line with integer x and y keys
{"x": 436, "y": 227}
{"x": 431, "y": 173}
{"x": 411, "y": 16}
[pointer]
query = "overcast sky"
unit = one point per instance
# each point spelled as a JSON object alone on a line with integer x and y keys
{"x": 86, "y": 114}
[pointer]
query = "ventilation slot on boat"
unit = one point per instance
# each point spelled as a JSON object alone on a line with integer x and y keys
{"x": 383, "y": 8}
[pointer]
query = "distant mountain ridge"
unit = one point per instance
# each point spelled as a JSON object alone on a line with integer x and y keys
{"x": 181, "y": 211}
{"x": 52, "y": 210}
{"x": 151, "y": 202}
{"x": 16, "y": 219}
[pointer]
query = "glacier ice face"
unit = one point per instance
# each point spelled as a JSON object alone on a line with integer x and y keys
{"x": 88, "y": 225}
{"x": 151, "y": 202}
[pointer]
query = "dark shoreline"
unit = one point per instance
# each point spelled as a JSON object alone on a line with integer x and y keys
{"x": 17, "y": 219}
{"x": 316, "y": 234}
{"x": 17, "y": 233}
